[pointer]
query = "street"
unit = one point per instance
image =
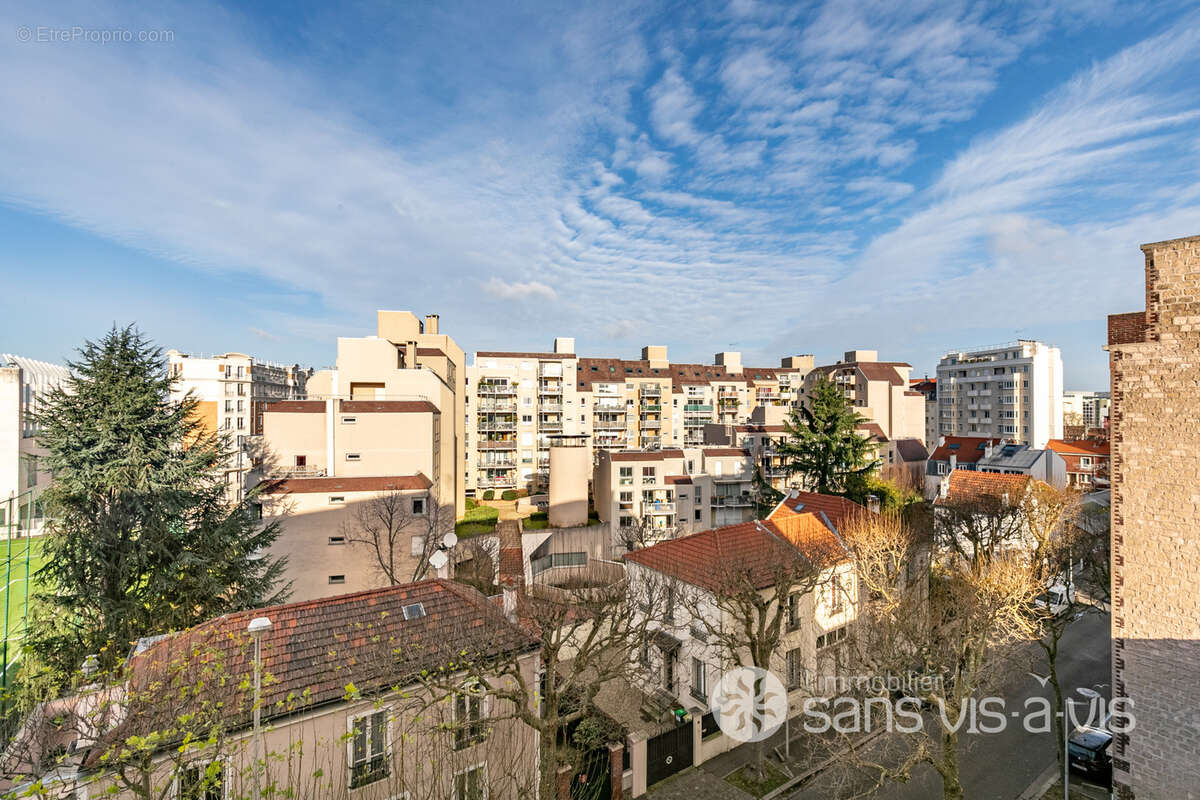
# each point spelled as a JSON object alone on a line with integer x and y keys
{"x": 1000, "y": 766}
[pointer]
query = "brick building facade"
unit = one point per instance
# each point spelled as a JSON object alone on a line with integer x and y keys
{"x": 1154, "y": 358}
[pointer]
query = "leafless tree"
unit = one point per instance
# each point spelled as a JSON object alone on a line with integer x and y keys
{"x": 400, "y": 531}
{"x": 950, "y": 624}
{"x": 641, "y": 532}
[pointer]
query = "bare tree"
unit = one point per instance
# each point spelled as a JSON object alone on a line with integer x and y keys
{"x": 641, "y": 532}
{"x": 400, "y": 531}
{"x": 950, "y": 624}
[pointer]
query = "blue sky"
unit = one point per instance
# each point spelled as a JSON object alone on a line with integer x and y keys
{"x": 772, "y": 178}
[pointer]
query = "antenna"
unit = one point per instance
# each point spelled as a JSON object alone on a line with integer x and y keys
{"x": 439, "y": 559}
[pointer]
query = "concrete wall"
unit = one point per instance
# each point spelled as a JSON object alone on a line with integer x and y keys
{"x": 570, "y": 468}
{"x": 1155, "y": 368}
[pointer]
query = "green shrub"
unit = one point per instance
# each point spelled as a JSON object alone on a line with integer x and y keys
{"x": 489, "y": 495}
{"x": 536, "y": 521}
{"x": 509, "y": 494}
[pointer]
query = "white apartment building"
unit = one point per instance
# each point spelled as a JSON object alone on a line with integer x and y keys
{"x": 231, "y": 390}
{"x": 515, "y": 402}
{"x": 1011, "y": 391}
{"x": 23, "y": 382}
{"x": 1089, "y": 409}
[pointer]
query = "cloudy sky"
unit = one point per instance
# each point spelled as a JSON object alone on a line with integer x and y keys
{"x": 775, "y": 179}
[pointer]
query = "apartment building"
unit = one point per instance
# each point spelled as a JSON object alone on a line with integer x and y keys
{"x": 1086, "y": 410}
{"x": 928, "y": 388}
{"x": 23, "y": 383}
{"x": 879, "y": 391}
{"x": 1013, "y": 391}
{"x": 517, "y": 401}
{"x": 979, "y": 454}
{"x": 1155, "y": 585}
{"x": 662, "y": 494}
{"x": 388, "y": 420}
{"x": 231, "y": 390}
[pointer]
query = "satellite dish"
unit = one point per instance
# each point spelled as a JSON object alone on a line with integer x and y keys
{"x": 438, "y": 559}
{"x": 449, "y": 540}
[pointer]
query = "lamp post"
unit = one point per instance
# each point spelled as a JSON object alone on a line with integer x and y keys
{"x": 258, "y": 626}
{"x": 1090, "y": 694}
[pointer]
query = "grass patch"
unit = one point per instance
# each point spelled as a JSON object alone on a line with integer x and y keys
{"x": 14, "y": 592}
{"x": 478, "y": 519}
{"x": 536, "y": 521}
{"x": 747, "y": 781}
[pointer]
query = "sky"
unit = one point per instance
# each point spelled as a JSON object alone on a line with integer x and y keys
{"x": 777, "y": 179}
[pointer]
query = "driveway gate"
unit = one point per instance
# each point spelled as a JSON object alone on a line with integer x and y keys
{"x": 668, "y": 753}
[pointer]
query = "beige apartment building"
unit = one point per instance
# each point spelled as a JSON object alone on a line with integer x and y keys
{"x": 879, "y": 391}
{"x": 231, "y": 390}
{"x": 388, "y": 420}
{"x": 1153, "y": 359}
{"x": 645, "y": 496}
{"x": 23, "y": 382}
{"x": 1013, "y": 391}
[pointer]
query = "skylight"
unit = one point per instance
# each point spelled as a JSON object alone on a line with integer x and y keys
{"x": 413, "y": 611}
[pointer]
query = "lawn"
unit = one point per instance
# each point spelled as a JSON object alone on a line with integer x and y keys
{"x": 745, "y": 780}
{"x": 541, "y": 519}
{"x": 16, "y": 583}
{"x": 478, "y": 519}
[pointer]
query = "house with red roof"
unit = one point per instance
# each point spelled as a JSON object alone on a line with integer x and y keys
{"x": 1086, "y": 461}
{"x": 345, "y": 708}
{"x": 794, "y": 562}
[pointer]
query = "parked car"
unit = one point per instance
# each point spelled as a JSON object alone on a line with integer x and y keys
{"x": 1087, "y": 753}
{"x": 1057, "y": 598}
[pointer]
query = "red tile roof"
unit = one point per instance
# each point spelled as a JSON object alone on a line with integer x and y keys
{"x": 672, "y": 479}
{"x": 838, "y": 510}
{"x": 968, "y": 449}
{"x": 726, "y": 451}
{"x": 1080, "y": 447}
{"x": 871, "y": 370}
{"x": 388, "y": 407}
{"x": 759, "y": 553}
{"x": 508, "y": 354}
{"x": 616, "y": 370}
{"x": 873, "y": 431}
{"x": 322, "y": 646}
{"x": 383, "y": 483}
{"x": 643, "y": 455}
{"x": 753, "y": 428}
{"x": 968, "y": 486}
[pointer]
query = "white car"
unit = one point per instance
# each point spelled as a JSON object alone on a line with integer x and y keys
{"x": 1056, "y": 599}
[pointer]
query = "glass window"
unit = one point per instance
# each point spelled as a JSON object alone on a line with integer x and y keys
{"x": 471, "y": 784}
{"x": 368, "y": 749}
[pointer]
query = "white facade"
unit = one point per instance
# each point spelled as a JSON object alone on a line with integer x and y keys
{"x": 23, "y": 382}
{"x": 1012, "y": 391}
{"x": 1089, "y": 408}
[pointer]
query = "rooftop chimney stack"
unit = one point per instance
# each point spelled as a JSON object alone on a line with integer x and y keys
{"x": 431, "y": 323}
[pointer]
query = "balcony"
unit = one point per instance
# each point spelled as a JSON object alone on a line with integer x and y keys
{"x": 732, "y": 500}
{"x": 496, "y": 482}
{"x": 484, "y": 424}
{"x": 658, "y": 507}
{"x": 649, "y": 390}
{"x": 550, "y": 389}
{"x": 496, "y": 444}
{"x": 609, "y": 405}
{"x": 496, "y": 390}
{"x": 550, "y": 425}
{"x": 550, "y": 369}
{"x": 698, "y": 408}
{"x": 495, "y": 407}
{"x": 727, "y": 401}
{"x": 609, "y": 425}
{"x": 651, "y": 424}
{"x": 651, "y": 441}
{"x": 550, "y": 408}
{"x": 498, "y": 463}
{"x": 651, "y": 407}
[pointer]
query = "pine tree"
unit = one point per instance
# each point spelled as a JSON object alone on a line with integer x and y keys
{"x": 142, "y": 539}
{"x": 823, "y": 445}
{"x": 765, "y": 496}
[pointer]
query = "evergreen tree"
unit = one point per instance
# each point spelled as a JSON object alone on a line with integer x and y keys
{"x": 142, "y": 539}
{"x": 766, "y": 496}
{"x": 823, "y": 445}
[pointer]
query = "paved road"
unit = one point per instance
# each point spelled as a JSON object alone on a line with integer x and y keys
{"x": 1000, "y": 766}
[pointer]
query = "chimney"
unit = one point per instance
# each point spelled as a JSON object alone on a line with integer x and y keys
{"x": 510, "y": 601}
{"x": 987, "y": 449}
{"x": 944, "y": 486}
{"x": 953, "y": 462}
{"x": 941, "y": 441}
{"x": 431, "y": 323}
{"x": 410, "y": 355}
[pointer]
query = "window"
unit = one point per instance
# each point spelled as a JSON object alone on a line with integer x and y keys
{"x": 413, "y": 611}
{"x": 471, "y": 784}
{"x": 526, "y": 418}
{"x": 368, "y": 748}
{"x": 795, "y": 668}
{"x": 31, "y": 475}
{"x": 626, "y": 474}
{"x": 202, "y": 781}
{"x": 354, "y": 456}
{"x": 699, "y": 681}
{"x": 648, "y": 474}
{"x": 418, "y": 505}
{"x": 697, "y": 515}
{"x": 836, "y": 595}
{"x": 793, "y": 611}
{"x": 831, "y": 638}
{"x": 337, "y": 539}
{"x": 337, "y": 579}
{"x": 301, "y": 461}
{"x": 349, "y": 420}
{"x": 337, "y": 499}
{"x": 468, "y": 718}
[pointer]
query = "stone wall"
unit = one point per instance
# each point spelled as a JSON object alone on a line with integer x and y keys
{"x": 1155, "y": 422}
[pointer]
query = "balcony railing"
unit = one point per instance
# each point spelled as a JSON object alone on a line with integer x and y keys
{"x": 500, "y": 463}
{"x": 550, "y": 408}
{"x": 733, "y": 500}
{"x": 495, "y": 406}
{"x": 551, "y": 388}
{"x": 547, "y": 370}
{"x": 504, "y": 444}
{"x": 609, "y": 425}
{"x": 296, "y": 472}
{"x": 651, "y": 406}
{"x": 495, "y": 390}
{"x": 552, "y": 425}
{"x": 658, "y": 507}
{"x": 652, "y": 424}
{"x": 698, "y": 408}
{"x": 648, "y": 390}
{"x": 496, "y": 424}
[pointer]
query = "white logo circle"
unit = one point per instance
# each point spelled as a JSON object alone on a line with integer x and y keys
{"x": 749, "y": 704}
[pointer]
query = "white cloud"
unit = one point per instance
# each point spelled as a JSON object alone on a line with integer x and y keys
{"x": 518, "y": 290}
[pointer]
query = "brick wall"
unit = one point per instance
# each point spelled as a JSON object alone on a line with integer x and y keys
{"x": 1155, "y": 425}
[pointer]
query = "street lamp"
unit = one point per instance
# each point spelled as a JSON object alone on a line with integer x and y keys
{"x": 258, "y": 626}
{"x": 1091, "y": 695}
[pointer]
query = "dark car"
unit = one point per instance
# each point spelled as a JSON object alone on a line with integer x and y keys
{"x": 1087, "y": 751}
